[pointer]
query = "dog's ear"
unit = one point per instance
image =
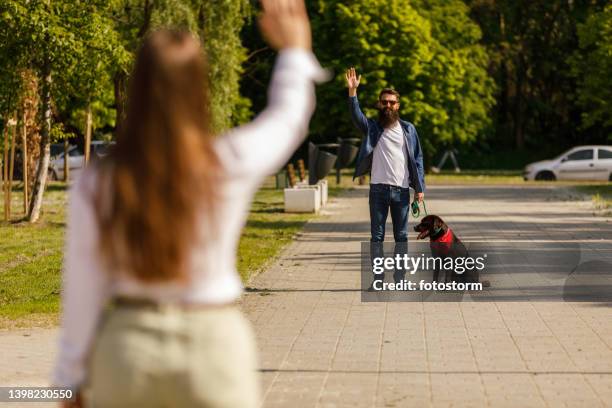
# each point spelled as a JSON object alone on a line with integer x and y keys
{"x": 437, "y": 224}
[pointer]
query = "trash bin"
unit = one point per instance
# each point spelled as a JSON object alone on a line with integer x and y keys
{"x": 325, "y": 162}
{"x": 320, "y": 162}
{"x": 347, "y": 152}
{"x": 312, "y": 163}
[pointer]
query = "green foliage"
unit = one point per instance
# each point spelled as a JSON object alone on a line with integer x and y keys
{"x": 459, "y": 79}
{"x": 445, "y": 90}
{"x": 58, "y": 132}
{"x": 89, "y": 46}
{"x": 217, "y": 23}
{"x": 593, "y": 67}
{"x": 11, "y": 59}
{"x": 74, "y": 40}
{"x": 532, "y": 44}
{"x": 546, "y": 64}
{"x": 220, "y": 23}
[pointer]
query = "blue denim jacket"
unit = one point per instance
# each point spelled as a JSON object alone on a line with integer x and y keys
{"x": 372, "y": 131}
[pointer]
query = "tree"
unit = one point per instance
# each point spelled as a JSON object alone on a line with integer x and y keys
{"x": 445, "y": 89}
{"x": 53, "y": 38}
{"x": 466, "y": 93}
{"x": 531, "y": 44}
{"x": 216, "y": 22}
{"x": 220, "y": 23}
{"x": 592, "y": 66}
{"x": 133, "y": 19}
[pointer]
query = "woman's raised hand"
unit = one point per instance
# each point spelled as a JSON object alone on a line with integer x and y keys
{"x": 285, "y": 24}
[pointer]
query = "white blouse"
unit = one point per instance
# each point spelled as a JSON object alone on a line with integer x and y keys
{"x": 247, "y": 154}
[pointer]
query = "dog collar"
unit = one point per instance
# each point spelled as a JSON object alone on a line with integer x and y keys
{"x": 447, "y": 238}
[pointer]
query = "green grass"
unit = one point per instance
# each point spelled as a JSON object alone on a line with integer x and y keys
{"x": 30, "y": 260}
{"x": 475, "y": 177}
{"x": 267, "y": 231}
{"x": 497, "y": 177}
{"x": 31, "y": 254}
{"x": 601, "y": 194}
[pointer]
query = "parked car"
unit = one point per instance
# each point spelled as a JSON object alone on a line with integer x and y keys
{"x": 578, "y": 163}
{"x": 56, "y": 149}
{"x": 76, "y": 158}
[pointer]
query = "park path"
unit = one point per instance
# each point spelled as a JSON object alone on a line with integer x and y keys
{"x": 320, "y": 346}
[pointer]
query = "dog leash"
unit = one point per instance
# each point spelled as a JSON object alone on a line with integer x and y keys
{"x": 416, "y": 211}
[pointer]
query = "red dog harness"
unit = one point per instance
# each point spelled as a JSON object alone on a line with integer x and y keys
{"x": 444, "y": 242}
{"x": 447, "y": 238}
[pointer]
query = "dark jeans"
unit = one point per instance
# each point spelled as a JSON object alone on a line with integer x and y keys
{"x": 383, "y": 197}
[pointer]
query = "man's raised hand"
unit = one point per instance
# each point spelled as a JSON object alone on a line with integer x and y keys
{"x": 352, "y": 81}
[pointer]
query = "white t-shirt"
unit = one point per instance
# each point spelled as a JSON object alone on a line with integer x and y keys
{"x": 390, "y": 161}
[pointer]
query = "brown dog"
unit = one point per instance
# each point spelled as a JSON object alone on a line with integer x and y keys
{"x": 444, "y": 243}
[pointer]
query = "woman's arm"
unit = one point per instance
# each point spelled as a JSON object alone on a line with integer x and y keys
{"x": 262, "y": 146}
{"x": 85, "y": 287}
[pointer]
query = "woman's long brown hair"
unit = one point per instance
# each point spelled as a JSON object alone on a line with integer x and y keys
{"x": 161, "y": 172}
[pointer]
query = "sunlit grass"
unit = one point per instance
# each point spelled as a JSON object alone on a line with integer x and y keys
{"x": 31, "y": 254}
{"x": 30, "y": 259}
{"x": 601, "y": 194}
{"x": 497, "y": 177}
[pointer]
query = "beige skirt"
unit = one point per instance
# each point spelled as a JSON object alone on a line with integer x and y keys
{"x": 173, "y": 357}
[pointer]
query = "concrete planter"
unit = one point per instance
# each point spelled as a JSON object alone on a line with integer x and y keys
{"x": 324, "y": 192}
{"x": 303, "y": 199}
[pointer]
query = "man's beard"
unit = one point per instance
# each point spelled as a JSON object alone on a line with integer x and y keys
{"x": 387, "y": 117}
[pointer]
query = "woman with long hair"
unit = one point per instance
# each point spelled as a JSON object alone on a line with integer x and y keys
{"x": 150, "y": 282}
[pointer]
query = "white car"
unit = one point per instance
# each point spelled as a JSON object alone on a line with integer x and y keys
{"x": 76, "y": 159}
{"x": 578, "y": 163}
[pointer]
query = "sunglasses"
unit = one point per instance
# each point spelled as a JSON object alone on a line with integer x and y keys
{"x": 386, "y": 102}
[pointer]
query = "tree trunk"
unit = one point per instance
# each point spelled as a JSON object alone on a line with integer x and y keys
{"x": 24, "y": 151}
{"x": 5, "y": 173}
{"x": 45, "y": 148}
{"x": 519, "y": 137}
{"x": 88, "y": 136}
{"x": 11, "y": 168}
{"x": 66, "y": 161}
{"x": 31, "y": 105}
{"x": 504, "y": 110}
{"x": 119, "y": 81}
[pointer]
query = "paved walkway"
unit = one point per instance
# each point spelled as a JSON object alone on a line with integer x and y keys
{"x": 320, "y": 346}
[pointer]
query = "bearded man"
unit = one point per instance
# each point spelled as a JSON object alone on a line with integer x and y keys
{"x": 391, "y": 151}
